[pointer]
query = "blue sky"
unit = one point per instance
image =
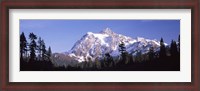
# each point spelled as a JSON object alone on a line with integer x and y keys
{"x": 61, "y": 35}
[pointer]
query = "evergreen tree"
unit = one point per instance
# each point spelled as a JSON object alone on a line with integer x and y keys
{"x": 173, "y": 49}
{"x": 126, "y": 58}
{"x": 130, "y": 59}
{"x": 179, "y": 43}
{"x": 123, "y": 51}
{"x": 97, "y": 63}
{"x": 43, "y": 51}
{"x": 32, "y": 46}
{"x": 49, "y": 53}
{"x": 138, "y": 56}
{"x": 86, "y": 65}
{"x": 39, "y": 47}
{"x": 179, "y": 47}
{"x": 109, "y": 60}
{"x": 162, "y": 52}
{"x": 122, "y": 48}
{"x": 151, "y": 53}
{"x": 90, "y": 63}
{"x": 23, "y": 45}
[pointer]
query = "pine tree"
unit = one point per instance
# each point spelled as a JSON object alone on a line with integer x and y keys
{"x": 179, "y": 47}
{"x": 97, "y": 63}
{"x": 138, "y": 56}
{"x": 123, "y": 51}
{"x": 151, "y": 53}
{"x": 49, "y": 53}
{"x": 173, "y": 49}
{"x": 23, "y": 45}
{"x": 130, "y": 59}
{"x": 32, "y": 46}
{"x": 109, "y": 60}
{"x": 179, "y": 43}
{"x": 39, "y": 47}
{"x": 90, "y": 63}
{"x": 122, "y": 48}
{"x": 162, "y": 52}
{"x": 43, "y": 51}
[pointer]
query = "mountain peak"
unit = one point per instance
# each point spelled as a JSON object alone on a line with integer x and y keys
{"x": 140, "y": 38}
{"x": 107, "y": 31}
{"x": 89, "y": 33}
{"x": 95, "y": 45}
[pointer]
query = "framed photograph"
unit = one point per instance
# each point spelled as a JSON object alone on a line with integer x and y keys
{"x": 93, "y": 45}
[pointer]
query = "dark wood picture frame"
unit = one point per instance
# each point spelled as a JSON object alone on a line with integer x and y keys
{"x": 70, "y": 4}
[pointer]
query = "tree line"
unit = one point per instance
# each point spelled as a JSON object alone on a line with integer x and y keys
{"x": 166, "y": 59}
{"x": 33, "y": 54}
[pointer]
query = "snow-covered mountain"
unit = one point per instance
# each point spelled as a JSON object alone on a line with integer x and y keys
{"x": 95, "y": 45}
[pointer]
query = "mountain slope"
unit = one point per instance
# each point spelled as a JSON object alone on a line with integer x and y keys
{"x": 95, "y": 45}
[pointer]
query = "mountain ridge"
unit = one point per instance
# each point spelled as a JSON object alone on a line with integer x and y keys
{"x": 95, "y": 45}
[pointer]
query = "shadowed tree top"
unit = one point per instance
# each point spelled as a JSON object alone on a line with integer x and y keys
{"x": 32, "y": 36}
{"x": 23, "y": 42}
